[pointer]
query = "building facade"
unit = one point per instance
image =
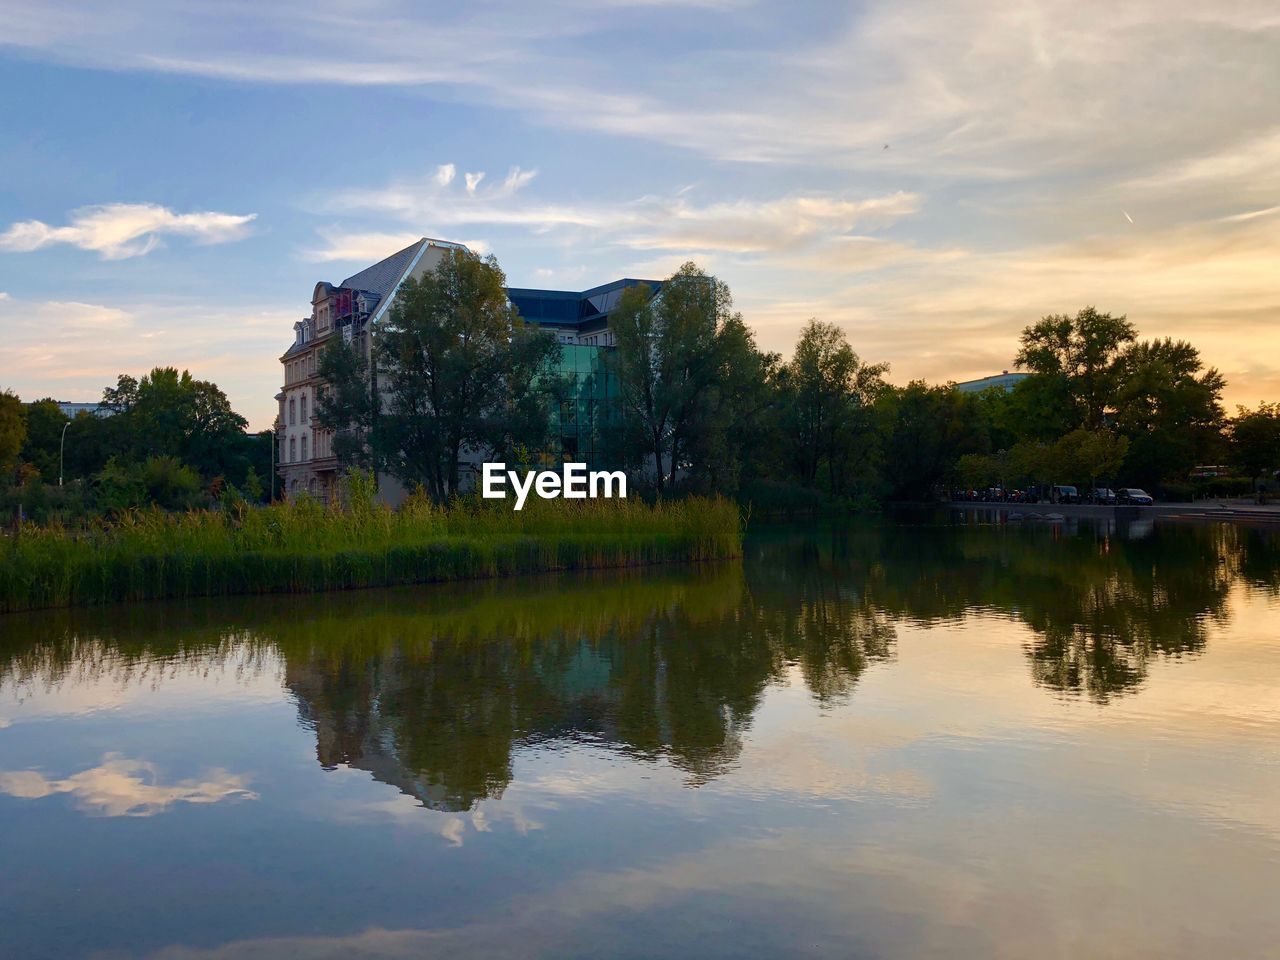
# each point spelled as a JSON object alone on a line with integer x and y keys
{"x": 352, "y": 309}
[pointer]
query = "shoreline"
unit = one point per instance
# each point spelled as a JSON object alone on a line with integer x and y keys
{"x": 1211, "y": 511}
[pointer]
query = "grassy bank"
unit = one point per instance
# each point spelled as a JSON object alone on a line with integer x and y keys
{"x": 304, "y": 547}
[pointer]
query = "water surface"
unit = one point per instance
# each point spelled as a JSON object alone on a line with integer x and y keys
{"x": 906, "y": 739}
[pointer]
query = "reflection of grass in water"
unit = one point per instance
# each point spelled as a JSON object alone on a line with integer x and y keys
{"x": 119, "y": 641}
{"x": 303, "y": 547}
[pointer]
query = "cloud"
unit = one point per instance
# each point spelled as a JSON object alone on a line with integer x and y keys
{"x": 72, "y": 349}
{"x": 119, "y": 787}
{"x": 1007, "y": 91}
{"x": 120, "y": 230}
{"x": 956, "y": 313}
{"x": 360, "y": 247}
{"x": 673, "y": 223}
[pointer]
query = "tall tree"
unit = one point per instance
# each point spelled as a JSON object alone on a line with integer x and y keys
{"x": 830, "y": 393}
{"x": 13, "y": 427}
{"x": 1083, "y": 354}
{"x": 929, "y": 430}
{"x": 667, "y": 362}
{"x": 1255, "y": 440}
{"x": 45, "y": 421}
{"x": 1170, "y": 408}
{"x": 454, "y": 367}
{"x": 736, "y": 435}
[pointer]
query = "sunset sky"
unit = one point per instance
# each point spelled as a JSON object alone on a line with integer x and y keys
{"x": 932, "y": 177}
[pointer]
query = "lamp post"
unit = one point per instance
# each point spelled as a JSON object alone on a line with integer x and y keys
{"x": 62, "y": 449}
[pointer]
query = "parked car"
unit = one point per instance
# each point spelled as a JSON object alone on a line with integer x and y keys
{"x": 1064, "y": 494}
{"x": 1134, "y": 495}
{"x": 1104, "y": 496}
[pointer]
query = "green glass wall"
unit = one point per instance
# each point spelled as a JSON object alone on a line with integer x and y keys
{"x": 588, "y": 407}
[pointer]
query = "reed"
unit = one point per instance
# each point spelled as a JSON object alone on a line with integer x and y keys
{"x": 305, "y": 547}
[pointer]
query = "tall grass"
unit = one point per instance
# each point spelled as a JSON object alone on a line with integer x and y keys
{"x": 304, "y": 547}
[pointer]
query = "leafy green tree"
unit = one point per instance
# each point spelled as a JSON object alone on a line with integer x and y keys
{"x": 1255, "y": 440}
{"x": 13, "y": 428}
{"x": 1089, "y": 453}
{"x": 738, "y": 432}
{"x": 830, "y": 393}
{"x": 928, "y": 430}
{"x": 1081, "y": 355}
{"x": 172, "y": 414}
{"x": 1170, "y": 408}
{"x": 44, "y": 434}
{"x": 253, "y": 489}
{"x": 668, "y": 362}
{"x": 455, "y": 369}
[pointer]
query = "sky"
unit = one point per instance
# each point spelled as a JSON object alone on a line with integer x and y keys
{"x": 932, "y": 177}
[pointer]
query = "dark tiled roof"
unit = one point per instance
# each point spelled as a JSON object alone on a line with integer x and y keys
{"x": 381, "y": 278}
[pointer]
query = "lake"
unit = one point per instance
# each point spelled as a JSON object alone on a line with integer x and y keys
{"x": 898, "y": 738}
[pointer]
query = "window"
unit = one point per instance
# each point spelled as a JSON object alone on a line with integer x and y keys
{"x": 303, "y": 415}
{"x": 293, "y": 411}
{"x": 304, "y": 446}
{"x": 293, "y": 449}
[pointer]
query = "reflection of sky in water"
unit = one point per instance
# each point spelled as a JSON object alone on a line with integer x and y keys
{"x": 825, "y": 752}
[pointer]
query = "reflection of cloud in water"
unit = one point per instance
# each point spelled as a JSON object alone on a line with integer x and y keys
{"x": 120, "y": 787}
{"x": 408, "y": 812}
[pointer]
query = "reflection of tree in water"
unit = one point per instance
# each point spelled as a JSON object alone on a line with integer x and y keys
{"x": 1101, "y": 607}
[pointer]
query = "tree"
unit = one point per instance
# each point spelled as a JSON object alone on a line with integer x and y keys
{"x": 1089, "y": 453}
{"x": 1255, "y": 440}
{"x": 829, "y": 397}
{"x": 1082, "y": 354}
{"x": 929, "y": 430}
{"x": 1170, "y": 408}
{"x": 738, "y": 430}
{"x": 668, "y": 361}
{"x": 172, "y": 414}
{"x": 45, "y": 421}
{"x": 13, "y": 427}
{"x": 454, "y": 367}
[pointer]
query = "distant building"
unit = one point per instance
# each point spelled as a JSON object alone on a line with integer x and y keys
{"x": 352, "y": 309}
{"x": 73, "y": 408}
{"x": 1005, "y": 380}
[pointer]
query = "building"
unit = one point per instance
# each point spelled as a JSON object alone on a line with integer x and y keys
{"x": 1005, "y": 380}
{"x": 581, "y": 324}
{"x": 73, "y": 408}
{"x": 351, "y": 310}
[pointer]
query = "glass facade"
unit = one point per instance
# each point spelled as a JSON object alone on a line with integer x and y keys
{"x": 589, "y": 402}
{"x": 588, "y": 407}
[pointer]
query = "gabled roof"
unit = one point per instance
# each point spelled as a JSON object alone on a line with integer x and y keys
{"x": 383, "y": 277}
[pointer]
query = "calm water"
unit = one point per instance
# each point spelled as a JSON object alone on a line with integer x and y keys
{"x": 873, "y": 741}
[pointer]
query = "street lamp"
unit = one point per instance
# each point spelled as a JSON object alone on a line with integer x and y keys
{"x": 62, "y": 447}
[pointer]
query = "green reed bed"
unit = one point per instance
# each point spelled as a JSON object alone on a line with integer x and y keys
{"x": 305, "y": 547}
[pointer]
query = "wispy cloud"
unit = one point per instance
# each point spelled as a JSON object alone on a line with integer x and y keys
{"x": 117, "y": 231}
{"x": 672, "y": 223}
{"x": 974, "y": 88}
